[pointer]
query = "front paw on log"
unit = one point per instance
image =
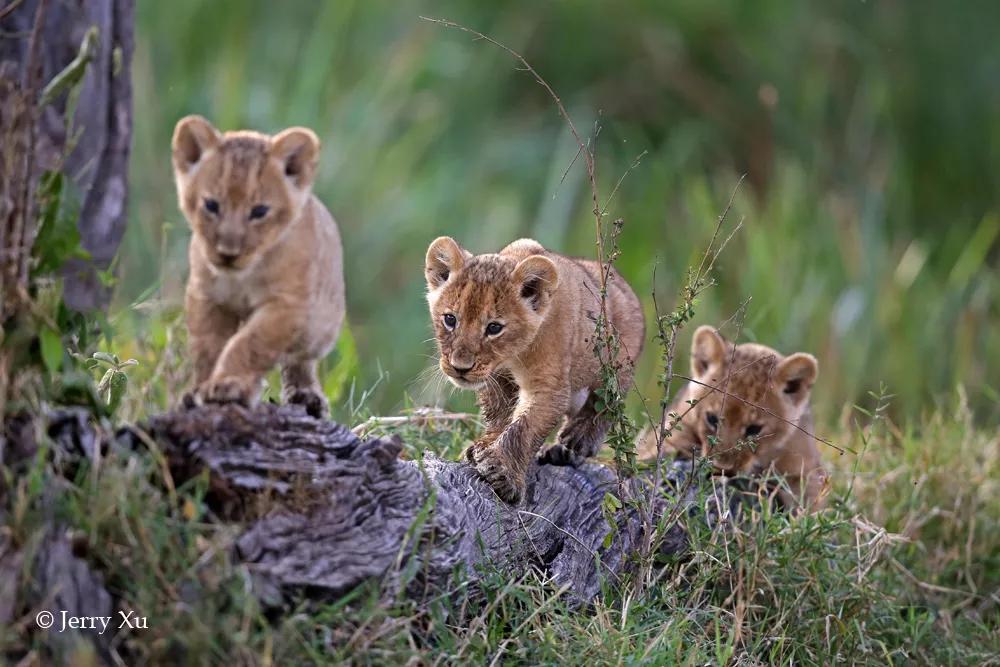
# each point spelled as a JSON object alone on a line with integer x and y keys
{"x": 471, "y": 452}
{"x": 314, "y": 402}
{"x": 189, "y": 400}
{"x": 495, "y": 471}
{"x": 241, "y": 390}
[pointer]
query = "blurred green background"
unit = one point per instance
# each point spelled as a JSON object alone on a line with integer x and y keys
{"x": 869, "y": 133}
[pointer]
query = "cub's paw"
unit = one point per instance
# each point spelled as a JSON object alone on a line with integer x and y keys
{"x": 479, "y": 445}
{"x": 314, "y": 402}
{"x": 505, "y": 482}
{"x": 560, "y": 454}
{"x": 189, "y": 400}
{"x": 578, "y": 440}
{"x": 229, "y": 390}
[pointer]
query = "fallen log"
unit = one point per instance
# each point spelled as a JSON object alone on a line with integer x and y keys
{"x": 326, "y": 511}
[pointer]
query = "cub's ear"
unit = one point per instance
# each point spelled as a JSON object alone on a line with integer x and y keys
{"x": 708, "y": 351}
{"x": 297, "y": 149}
{"x": 529, "y": 246}
{"x": 444, "y": 257}
{"x": 795, "y": 376}
{"x": 193, "y": 137}
{"x": 536, "y": 278}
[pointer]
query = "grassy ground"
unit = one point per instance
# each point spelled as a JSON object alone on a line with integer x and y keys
{"x": 901, "y": 569}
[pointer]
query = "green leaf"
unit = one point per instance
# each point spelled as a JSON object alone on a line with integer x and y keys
{"x": 106, "y": 357}
{"x": 611, "y": 502}
{"x": 52, "y": 349}
{"x": 608, "y": 539}
{"x": 116, "y": 390}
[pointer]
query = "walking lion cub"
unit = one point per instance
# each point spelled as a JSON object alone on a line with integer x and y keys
{"x": 266, "y": 284}
{"x": 517, "y": 327}
{"x": 747, "y": 410}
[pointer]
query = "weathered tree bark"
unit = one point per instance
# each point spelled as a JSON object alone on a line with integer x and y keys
{"x": 326, "y": 511}
{"x": 101, "y": 127}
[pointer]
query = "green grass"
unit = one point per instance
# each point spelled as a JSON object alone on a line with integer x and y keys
{"x": 902, "y": 568}
{"x": 871, "y": 220}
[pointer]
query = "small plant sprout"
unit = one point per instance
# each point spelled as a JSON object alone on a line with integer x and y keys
{"x": 113, "y": 383}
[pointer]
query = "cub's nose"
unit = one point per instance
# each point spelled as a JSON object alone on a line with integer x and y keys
{"x": 462, "y": 366}
{"x": 228, "y": 259}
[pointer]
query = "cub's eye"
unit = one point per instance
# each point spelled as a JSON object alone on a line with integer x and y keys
{"x": 712, "y": 419}
{"x": 259, "y": 211}
{"x": 450, "y": 321}
{"x": 753, "y": 430}
{"x": 493, "y": 328}
{"x": 212, "y": 206}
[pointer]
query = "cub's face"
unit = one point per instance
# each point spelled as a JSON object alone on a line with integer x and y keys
{"x": 241, "y": 190}
{"x": 774, "y": 390}
{"x": 485, "y": 309}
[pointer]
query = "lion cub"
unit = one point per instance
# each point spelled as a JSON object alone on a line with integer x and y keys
{"x": 266, "y": 284}
{"x": 754, "y": 427}
{"x": 517, "y": 327}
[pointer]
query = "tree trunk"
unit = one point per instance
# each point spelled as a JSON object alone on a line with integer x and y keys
{"x": 99, "y": 135}
{"x": 326, "y": 511}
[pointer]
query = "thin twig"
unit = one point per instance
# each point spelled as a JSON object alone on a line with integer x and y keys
{"x": 690, "y": 292}
{"x": 932, "y": 587}
{"x": 621, "y": 179}
{"x": 31, "y": 77}
{"x": 562, "y": 530}
{"x": 419, "y": 417}
{"x": 744, "y": 401}
{"x": 9, "y": 8}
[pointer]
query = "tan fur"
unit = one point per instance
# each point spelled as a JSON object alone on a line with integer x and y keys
{"x": 774, "y": 390}
{"x": 540, "y": 370}
{"x": 266, "y": 287}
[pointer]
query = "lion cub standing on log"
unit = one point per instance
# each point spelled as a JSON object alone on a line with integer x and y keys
{"x": 764, "y": 421}
{"x": 267, "y": 284}
{"x": 517, "y": 327}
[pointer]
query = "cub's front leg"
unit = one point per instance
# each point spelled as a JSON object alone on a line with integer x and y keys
{"x": 497, "y": 401}
{"x": 580, "y": 437}
{"x": 209, "y": 329}
{"x": 251, "y": 353}
{"x": 504, "y": 462}
{"x": 300, "y": 385}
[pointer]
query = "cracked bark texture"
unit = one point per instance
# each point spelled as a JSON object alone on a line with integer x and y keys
{"x": 326, "y": 511}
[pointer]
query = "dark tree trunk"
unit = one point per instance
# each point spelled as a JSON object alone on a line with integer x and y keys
{"x": 326, "y": 511}
{"x": 102, "y": 125}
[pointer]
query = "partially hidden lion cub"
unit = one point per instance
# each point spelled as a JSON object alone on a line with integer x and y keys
{"x": 747, "y": 410}
{"x": 266, "y": 284}
{"x": 517, "y": 327}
